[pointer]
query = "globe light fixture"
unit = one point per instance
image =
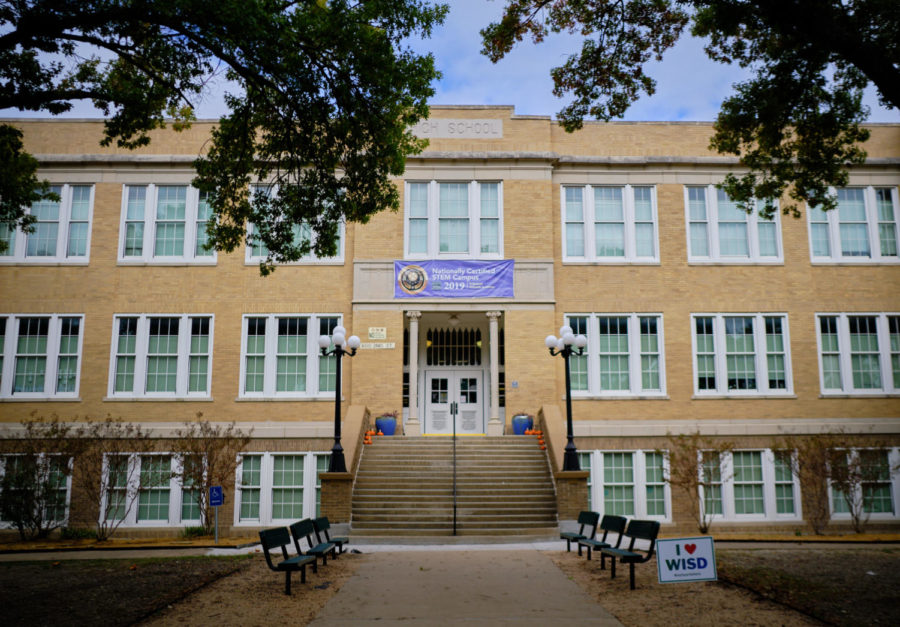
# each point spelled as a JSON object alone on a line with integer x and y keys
{"x": 566, "y": 345}
{"x": 343, "y": 346}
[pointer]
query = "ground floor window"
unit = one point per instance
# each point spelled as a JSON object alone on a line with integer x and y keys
{"x": 874, "y": 483}
{"x": 750, "y": 485}
{"x": 45, "y": 477}
{"x": 627, "y": 483}
{"x": 279, "y": 487}
{"x": 149, "y": 489}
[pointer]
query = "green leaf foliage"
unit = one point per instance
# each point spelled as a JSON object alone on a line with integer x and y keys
{"x": 795, "y": 125}
{"x": 328, "y": 93}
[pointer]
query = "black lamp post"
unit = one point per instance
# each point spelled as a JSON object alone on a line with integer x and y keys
{"x": 565, "y": 345}
{"x": 337, "y": 463}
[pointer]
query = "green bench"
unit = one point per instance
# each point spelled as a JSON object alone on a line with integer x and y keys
{"x": 586, "y": 520}
{"x": 280, "y": 538}
{"x": 322, "y": 526}
{"x": 646, "y": 530}
{"x": 305, "y": 530}
{"x": 608, "y": 523}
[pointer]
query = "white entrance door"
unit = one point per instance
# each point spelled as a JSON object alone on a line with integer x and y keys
{"x": 443, "y": 388}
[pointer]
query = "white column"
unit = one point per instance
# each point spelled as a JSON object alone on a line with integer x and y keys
{"x": 495, "y": 426}
{"x": 413, "y": 426}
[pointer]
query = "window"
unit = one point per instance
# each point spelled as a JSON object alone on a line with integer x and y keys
{"x": 859, "y": 353}
{"x": 454, "y": 219}
{"x": 720, "y": 232}
{"x": 741, "y": 354}
{"x": 610, "y": 224}
{"x": 279, "y": 487}
{"x": 862, "y": 229}
{"x": 50, "y": 474}
{"x": 750, "y": 485}
{"x": 256, "y": 251}
{"x": 624, "y": 355}
{"x": 875, "y": 487}
{"x": 164, "y": 224}
{"x": 161, "y": 356}
{"x": 146, "y": 489}
{"x": 40, "y": 356}
{"x": 281, "y": 356}
{"x": 61, "y": 233}
{"x": 627, "y": 483}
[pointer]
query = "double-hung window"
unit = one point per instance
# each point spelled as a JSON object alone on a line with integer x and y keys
{"x": 164, "y": 224}
{"x": 161, "y": 356}
{"x": 862, "y": 229}
{"x": 454, "y": 219}
{"x": 40, "y": 355}
{"x": 623, "y": 357}
{"x": 256, "y": 251}
{"x": 744, "y": 354}
{"x": 615, "y": 224}
{"x": 281, "y": 357}
{"x": 720, "y": 232}
{"x": 875, "y": 485}
{"x": 279, "y": 487}
{"x": 750, "y": 485}
{"x": 148, "y": 489}
{"x": 859, "y": 353}
{"x": 52, "y": 472}
{"x": 627, "y": 483}
{"x": 62, "y": 230}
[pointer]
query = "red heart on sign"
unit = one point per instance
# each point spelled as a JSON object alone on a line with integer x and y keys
{"x": 690, "y": 548}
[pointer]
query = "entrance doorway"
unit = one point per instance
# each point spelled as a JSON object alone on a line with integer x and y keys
{"x": 463, "y": 387}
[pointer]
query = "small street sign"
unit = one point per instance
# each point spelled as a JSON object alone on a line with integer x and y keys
{"x": 216, "y": 496}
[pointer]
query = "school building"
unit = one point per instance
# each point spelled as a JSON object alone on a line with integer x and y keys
{"x": 698, "y": 317}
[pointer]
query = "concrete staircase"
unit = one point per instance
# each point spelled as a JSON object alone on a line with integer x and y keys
{"x": 404, "y": 487}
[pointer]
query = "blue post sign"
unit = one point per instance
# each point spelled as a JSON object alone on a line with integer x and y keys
{"x": 216, "y": 500}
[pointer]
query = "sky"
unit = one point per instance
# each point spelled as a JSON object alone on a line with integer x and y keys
{"x": 690, "y": 87}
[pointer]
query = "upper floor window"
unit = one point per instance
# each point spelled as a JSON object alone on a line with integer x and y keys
{"x": 863, "y": 228}
{"x": 61, "y": 233}
{"x": 281, "y": 356}
{"x": 40, "y": 356}
{"x": 161, "y": 356}
{"x": 164, "y": 224}
{"x": 624, "y": 355}
{"x": 608, "y": 223}
{"x": 741, "y": 354}
{"x": 256, "y": 251}
{"x": 859, "y": 353}
{"x": 719, "y": 231}
{"x": 461, "y": 220}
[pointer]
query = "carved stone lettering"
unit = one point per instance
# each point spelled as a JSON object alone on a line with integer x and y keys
{"x": 459, "y": 129}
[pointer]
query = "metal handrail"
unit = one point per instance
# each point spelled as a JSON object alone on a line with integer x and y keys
{"x": 453, "y": 410}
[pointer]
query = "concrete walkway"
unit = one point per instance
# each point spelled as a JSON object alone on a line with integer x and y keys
{"x": 481, "y": 587}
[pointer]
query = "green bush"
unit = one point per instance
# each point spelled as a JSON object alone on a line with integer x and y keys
{"x": 193, "y": 532}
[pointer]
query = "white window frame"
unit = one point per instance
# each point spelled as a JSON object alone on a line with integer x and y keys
{"x": 712, "y": 234}
{"x": 182, "y": 377}
{"x": 189, "y": 255}
{"x": 760, "y": 361}
{"x": 634, "y": 356}
{"x": 770, "y": 505}
{"x": 132, "y": 491}
{"x": 596, "y": 481}
{"x": 54, "y": 334}
{"x": 5, "y": 524}
{"x": 893, "y": 455}
{"x": 313, "y": 356}
{"x": 17, "y": 254}
{"x": 433, "y": 217}
{"x": 266, "y": 486}
{"x": 310, "y": 258}
{"x": 589, "y": 220}
{"x": 872, "y": 222}
{"x": 884, "y": 350}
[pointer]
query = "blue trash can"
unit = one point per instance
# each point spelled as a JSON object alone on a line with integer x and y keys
{"x": 521, "y": 423}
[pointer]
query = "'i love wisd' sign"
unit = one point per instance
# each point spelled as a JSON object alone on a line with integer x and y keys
{"x": 686, "y": 559}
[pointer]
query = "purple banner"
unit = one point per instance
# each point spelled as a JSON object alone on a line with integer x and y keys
{"x": 453, "y": 279}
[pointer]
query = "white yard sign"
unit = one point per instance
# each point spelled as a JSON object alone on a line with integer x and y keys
{"x": 686, "y": 559}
